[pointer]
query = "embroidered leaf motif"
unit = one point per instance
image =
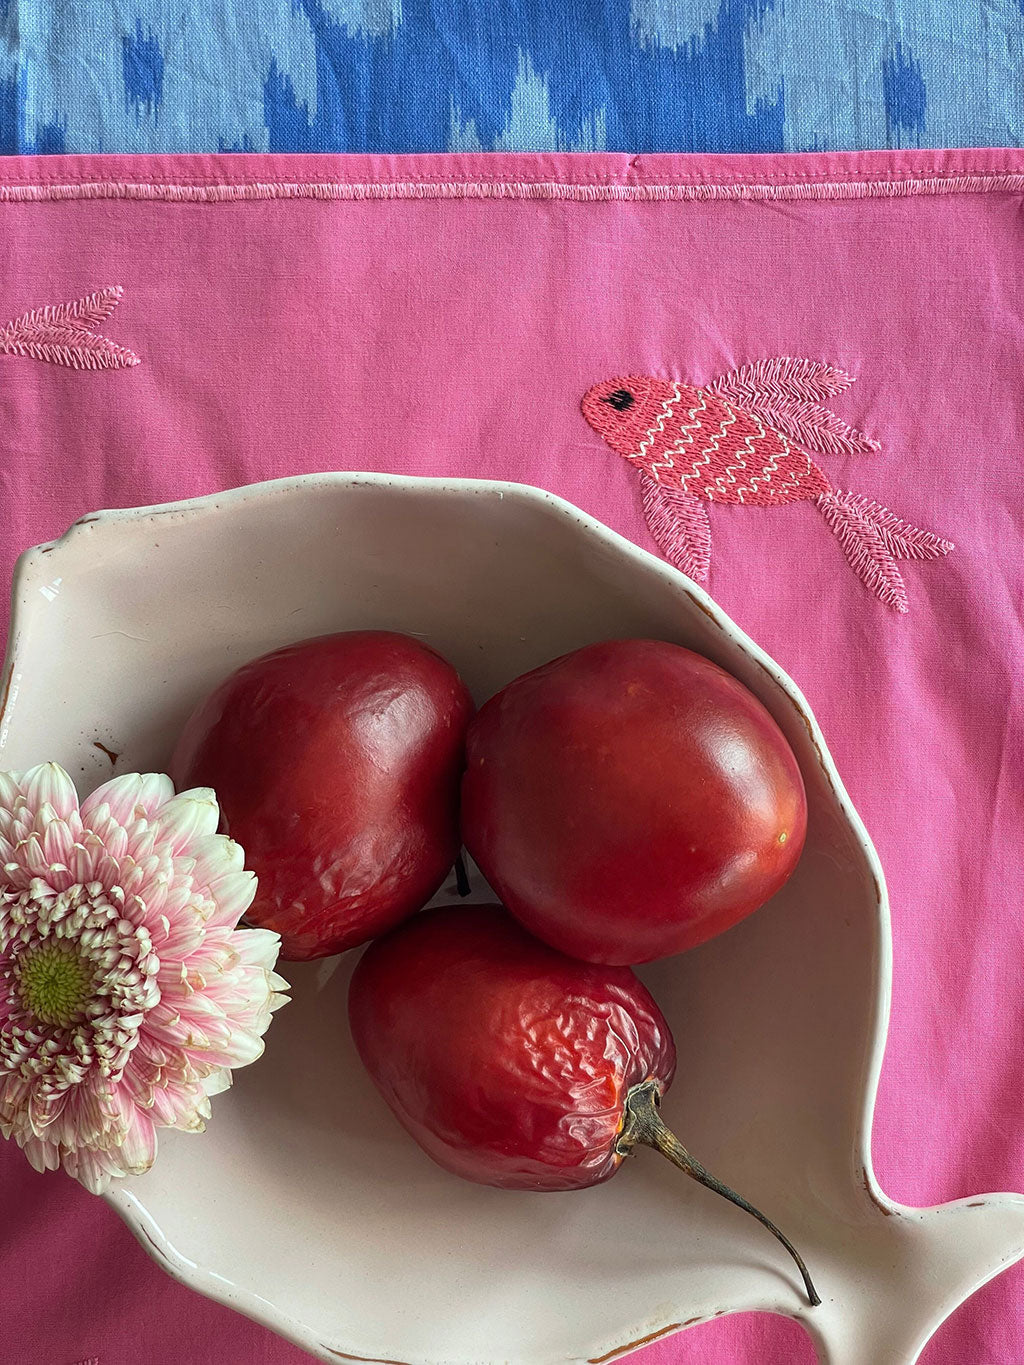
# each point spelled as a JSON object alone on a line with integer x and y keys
{"x": 680, "y": 527}
{"x": 63, "y": 334}
{"x": 87, "y": 312}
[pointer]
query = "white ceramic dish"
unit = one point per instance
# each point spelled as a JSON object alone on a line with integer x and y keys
{"x": 304, "y": 1204}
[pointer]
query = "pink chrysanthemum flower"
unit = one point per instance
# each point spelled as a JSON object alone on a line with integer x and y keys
{"x": 126, "y": 992}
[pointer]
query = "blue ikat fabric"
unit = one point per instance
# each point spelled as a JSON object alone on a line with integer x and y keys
{"x": 441, "y": 75}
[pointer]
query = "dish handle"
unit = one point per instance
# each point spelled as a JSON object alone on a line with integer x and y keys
{"x": 920, "y": 1265}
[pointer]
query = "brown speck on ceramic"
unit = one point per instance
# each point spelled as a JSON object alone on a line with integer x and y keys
{"x": 865, "y": 1180}
{"x": 109, "y": 752}
{"x": 702, "y": 607}
{"x": 641, "y": 1341}
{"x": 158, "y": 1250}
{"x": 367, "y": 1360}
{"x": 6, "y": 692}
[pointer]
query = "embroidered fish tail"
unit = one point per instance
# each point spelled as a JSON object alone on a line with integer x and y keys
{"x": 873, "y": 539}
{"x": 864, "y": 546}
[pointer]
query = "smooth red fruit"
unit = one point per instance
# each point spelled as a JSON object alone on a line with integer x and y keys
{"x": 512, "y": 1064}
{"x": 631, "y": 800}
{"x": 336, "y": 762}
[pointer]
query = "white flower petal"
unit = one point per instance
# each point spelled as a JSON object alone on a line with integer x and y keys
{"x": 15, "y": 876}
{"x": 216, "y": 855}
{"x": 49, "y": 784}
{"x": 90, "y": 1168}
{"x": 218, "y": 1081}
{"x": 84, "y": 857}
{"x": 57, "y": 842}
{"x": 138, "y": 1150}
{"x": 199, "y": 794}
{"x": 30, "y": 855}
{"x": 187, "y": 817}
{"x": 257, "y": 947}
{"x": 194, "y": 1120}
{"x": 129, "y": 793}
{"x": 233, "y": 893}
{"x": 43, "y": 1155}
{"x": 243, "y": 1048}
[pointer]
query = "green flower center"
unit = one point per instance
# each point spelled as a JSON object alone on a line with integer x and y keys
{"x": 55, "y": 983}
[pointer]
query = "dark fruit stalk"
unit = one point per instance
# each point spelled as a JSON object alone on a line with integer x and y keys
{"x": 645, "y": 1125}
{"x": 462, "y": 877}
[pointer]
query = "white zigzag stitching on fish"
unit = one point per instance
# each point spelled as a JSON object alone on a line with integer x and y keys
{"x": 718, "y": 436}
{"x": 683, "y": 444}
{"x": 748, "y": 445}
{"x": 685, "y": 440}
{"x": 709, "y": 449}
{"x": 788, "y": 453}
{"x": 772, "y": 466}
{"x": 658, "y": 429}
{"x": 714, "y": 440}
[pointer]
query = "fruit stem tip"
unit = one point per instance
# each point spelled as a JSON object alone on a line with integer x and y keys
{"x": 643, "y": 1124}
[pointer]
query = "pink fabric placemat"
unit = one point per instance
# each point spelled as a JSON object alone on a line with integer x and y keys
{"x": 445, "y": 315}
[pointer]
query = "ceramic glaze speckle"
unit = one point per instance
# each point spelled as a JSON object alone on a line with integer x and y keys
{"x": 305, "y": 1205}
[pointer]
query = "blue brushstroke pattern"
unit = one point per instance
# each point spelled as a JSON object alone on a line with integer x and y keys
{"x": 904, "y": 92}
{"x": 433, "y": 75}
{"x": 47, "y": 136}
{"x": 142, "y": 65}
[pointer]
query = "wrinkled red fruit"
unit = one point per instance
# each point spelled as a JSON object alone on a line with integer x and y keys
{"x": 507, "y": 1061}
{"x": 336, "y": 762}
{"x": 512, "y": 1064}
{"x": 631, "y": 800}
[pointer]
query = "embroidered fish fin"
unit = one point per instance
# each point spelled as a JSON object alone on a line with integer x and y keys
{"x": 679, "y": 524}
{"x": 812, "y": 426}
{"x": 865, "y": 547}
{"x": 784, "y": 376}
{"x": 63, "y": 334}
{"x": 902, "y": 540}
{"x": 782, "y": 394}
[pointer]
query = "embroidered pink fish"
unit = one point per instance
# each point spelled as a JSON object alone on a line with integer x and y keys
{"x": 746, "y": 438}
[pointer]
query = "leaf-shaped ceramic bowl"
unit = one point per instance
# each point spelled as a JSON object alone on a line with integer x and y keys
{"x": 304, "y": 1204}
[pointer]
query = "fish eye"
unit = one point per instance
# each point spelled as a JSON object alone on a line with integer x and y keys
{"x": 621, "y": 400}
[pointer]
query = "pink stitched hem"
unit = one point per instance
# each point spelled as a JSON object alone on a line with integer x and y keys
{"x": 220, "y": 194}
{"x": 586, "y": 177}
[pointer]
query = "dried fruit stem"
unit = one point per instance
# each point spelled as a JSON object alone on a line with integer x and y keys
{"x": 644, "y": 1124}
{"x": 462, "y": 876}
